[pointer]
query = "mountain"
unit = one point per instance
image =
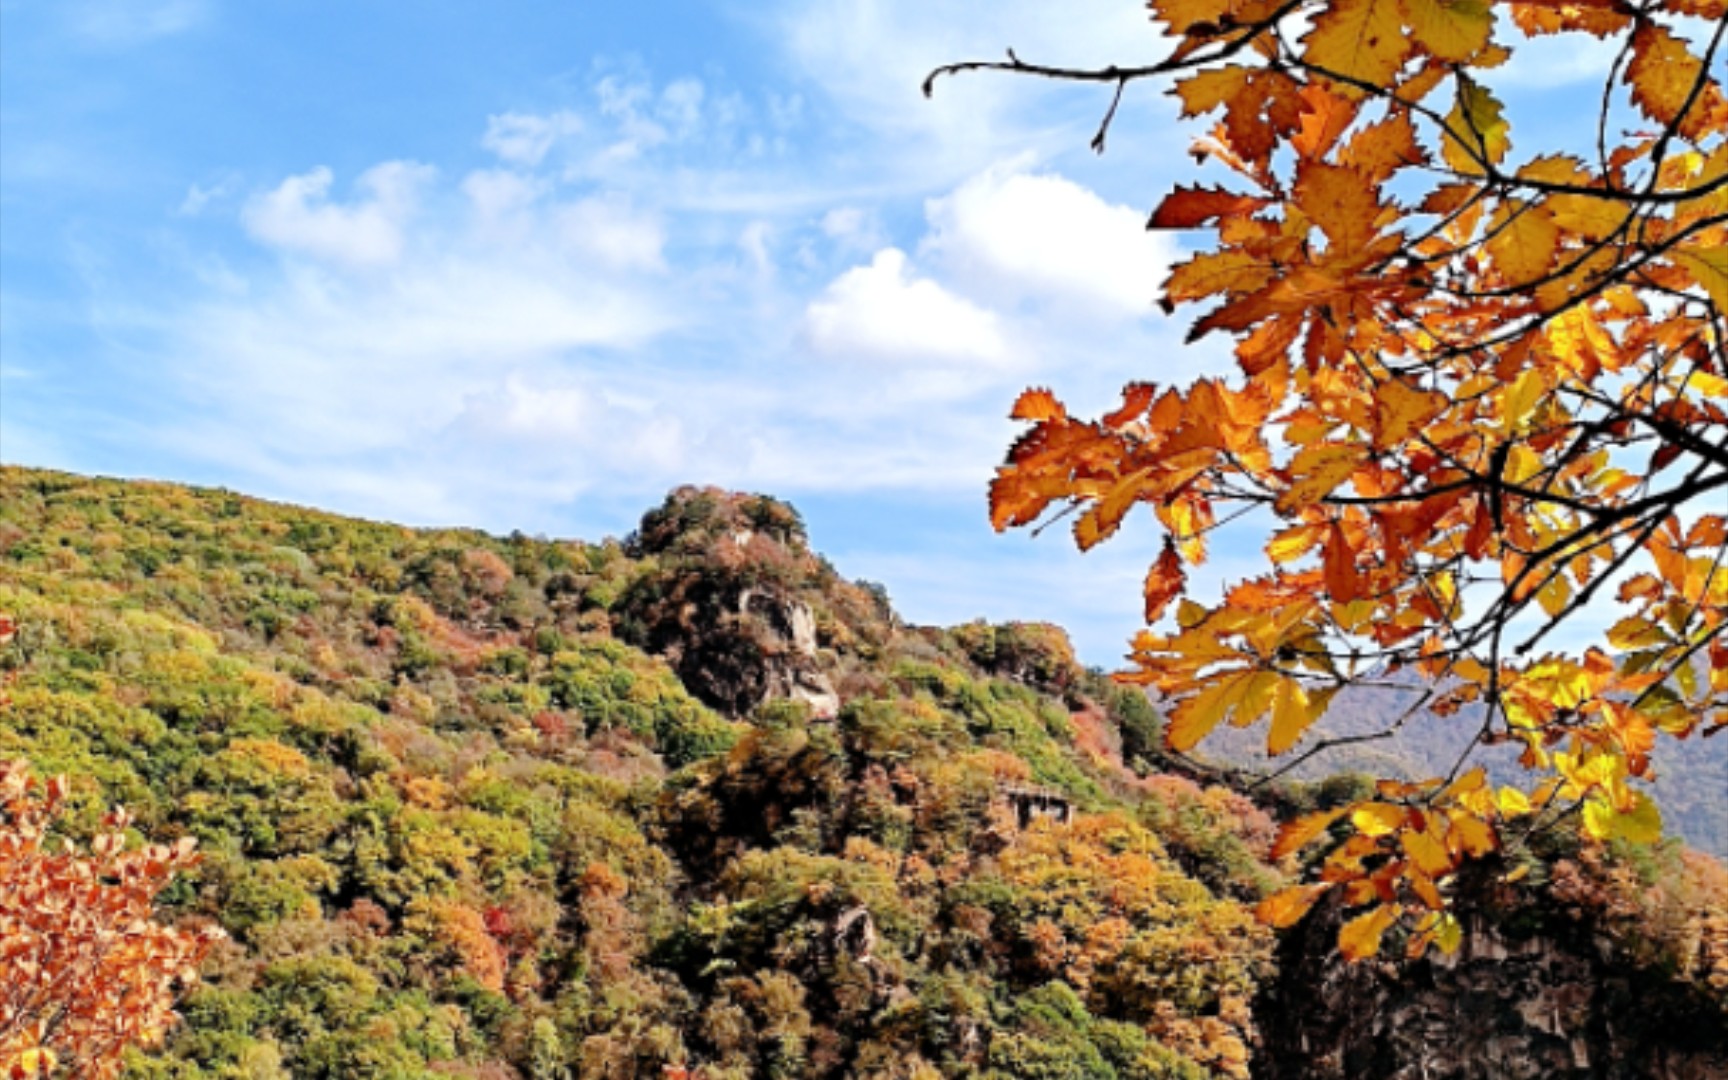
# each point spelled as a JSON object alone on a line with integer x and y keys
{"x": 692, "y": 804}
{"x": 1691, "y": 782}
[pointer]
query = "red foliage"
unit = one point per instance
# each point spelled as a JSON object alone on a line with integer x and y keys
{"x": 89, "y": 971}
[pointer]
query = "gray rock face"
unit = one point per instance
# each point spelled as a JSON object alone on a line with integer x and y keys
{"x": 1540, "y": 1007}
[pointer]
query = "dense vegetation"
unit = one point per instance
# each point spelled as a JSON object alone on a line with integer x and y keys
{"x": 456, "y": 821}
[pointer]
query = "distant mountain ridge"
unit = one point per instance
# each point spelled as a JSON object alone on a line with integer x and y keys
{"x": 1691, "y": 784}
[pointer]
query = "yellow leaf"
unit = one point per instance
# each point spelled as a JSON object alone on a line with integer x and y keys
{"x": 1450, "y": 30}
{"x": 1640, "y": 825}
{"x": 1361, "y": 39}
{"x": 1709, "y": 268}
{"x": 1194, "y": 717}
{"x": 1590, "y": 217}
{"x": 1554, "y": 596}
{"x": 1449, "y": 934}
{"x": 1359, "y": 938}
{"x": 1598, "y": 818}
{"x": 1429, "y": 854}
{"x": 1524, "y": 242}
{"x": 1294, "y": 542}
{"x": 1512, "y": 802}
{"x": 1475, "y": 129}
{"x": 1379, "y": 819}
{"x": 1469, "y": 834}
{"x": 1522, "y": 397}
{"x": 1287, "y": 906}
{"x": 1294, "y": 710}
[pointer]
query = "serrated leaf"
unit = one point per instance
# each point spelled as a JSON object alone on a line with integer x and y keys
{"x": 1523, "y": 243}
{"x": 1361, "y": 39}
{"x": 1213, "y": 272}
{"x": 1450, "y": 30}
{"x": 1210, "y": 89}
{"x": 1164, "y": 582}
{"x": 1037, "y": 403}
{"x": 1476, "y": 128}
{"x": 1341, "y": 201}
{"x": 1188, "y": 208}
{"x": 1709, "y": 268}
{"x": 1662, "y": 72}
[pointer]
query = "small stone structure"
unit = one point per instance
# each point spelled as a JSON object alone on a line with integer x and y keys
{"x": 1030, "y": 803}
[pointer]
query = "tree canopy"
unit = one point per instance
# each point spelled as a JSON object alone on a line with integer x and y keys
{"x": 1483, "y": 393}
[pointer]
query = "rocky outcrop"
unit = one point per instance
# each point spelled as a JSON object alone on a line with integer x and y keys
{"x": 727, "y": 601}
{"x": 1539, "y": 1005}
{"x": 789, "y": 663}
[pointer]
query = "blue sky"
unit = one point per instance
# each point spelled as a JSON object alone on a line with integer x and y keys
{"x": 529, "y": 265}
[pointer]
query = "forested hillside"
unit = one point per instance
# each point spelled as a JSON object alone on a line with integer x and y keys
{"x": 507, "y": 807}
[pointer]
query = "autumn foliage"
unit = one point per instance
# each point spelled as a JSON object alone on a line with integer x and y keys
{"x": 1482, "y": 393}
{"x": 88, "y": 969}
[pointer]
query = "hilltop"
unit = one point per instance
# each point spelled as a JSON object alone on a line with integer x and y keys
{"x": 504, "y": 807}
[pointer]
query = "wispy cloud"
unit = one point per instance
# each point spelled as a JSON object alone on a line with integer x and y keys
{"x": 298, "y": 215}
{"x": 132, "y": 22}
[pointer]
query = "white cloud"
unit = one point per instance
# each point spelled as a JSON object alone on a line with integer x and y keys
{"x": 609, "y": 228}
{"x": 501, "y": 199}
{"x": 526, "y": 138}
{"x": 298, "y": 216}
{"x": 884, "y": 312}
{"x": 1024, "y": 235}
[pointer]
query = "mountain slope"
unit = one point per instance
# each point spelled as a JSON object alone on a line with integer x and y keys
{"x": 505, "y": 807}
{"x": 458, "y": 823}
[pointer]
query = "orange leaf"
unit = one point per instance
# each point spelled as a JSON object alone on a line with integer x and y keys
{"x": 1286, "y": 907}
{"x": 1298, "y": 833}
{"x": 1037, "y": 404}
{"x": 1164, "y": 582}
{"x": 1188, "y": 208}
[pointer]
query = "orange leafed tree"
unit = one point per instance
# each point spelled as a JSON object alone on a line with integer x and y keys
{"x": 85, "y": 970}
{"x": 1482, "y": 393}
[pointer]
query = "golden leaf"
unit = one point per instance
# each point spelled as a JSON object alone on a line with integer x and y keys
{"x": 1360, "y": 39}
{"x": 1379, "y": 819}
{"x": 1359, "y": 938}
{"x": 1298, "y": 833}
{"x": 1523, "y": 243}
{"x": 1476, "y": 130}
{"x": 1450, "y": 30}
{"x": 1286, "y": 907}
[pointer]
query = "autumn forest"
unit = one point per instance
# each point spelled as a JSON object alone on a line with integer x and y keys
{"x": 285, "y": 793}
